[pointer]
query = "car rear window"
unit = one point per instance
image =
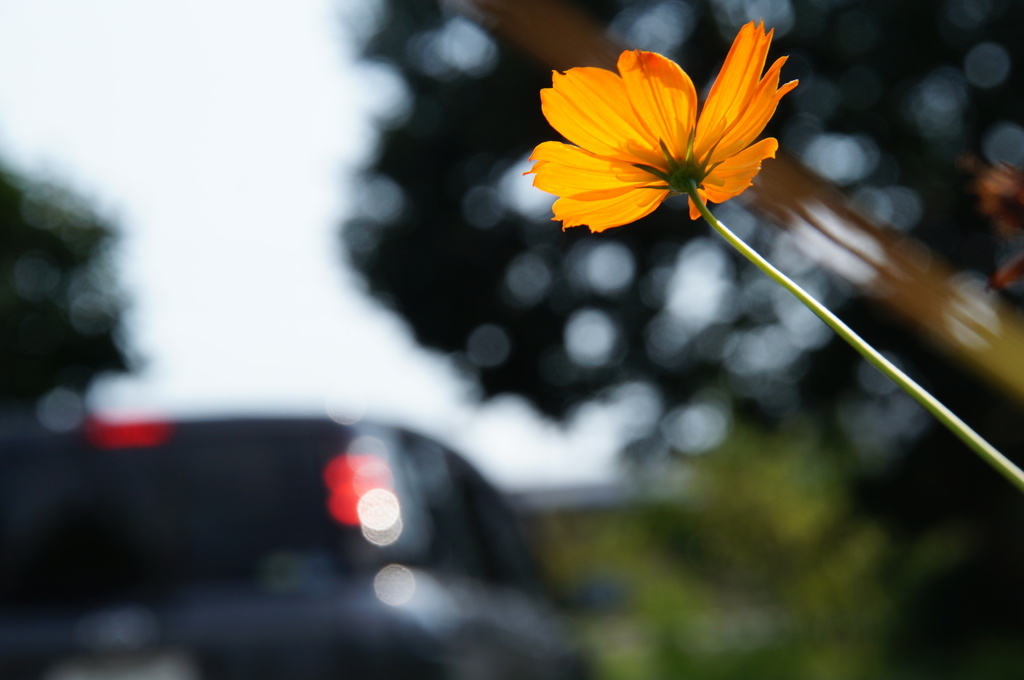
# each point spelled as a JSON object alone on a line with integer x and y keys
{"x": 214, "y": 505}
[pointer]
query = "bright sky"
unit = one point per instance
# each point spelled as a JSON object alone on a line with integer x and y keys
{"x": 220, "y": 136}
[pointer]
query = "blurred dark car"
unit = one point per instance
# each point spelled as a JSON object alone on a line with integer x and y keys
{"x": 262, "y": 548}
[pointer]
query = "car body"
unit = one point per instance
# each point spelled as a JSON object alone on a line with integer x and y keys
{"x": 262, "y": 548}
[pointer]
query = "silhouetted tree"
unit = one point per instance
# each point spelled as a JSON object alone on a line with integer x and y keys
{"x": 59, "y": 304}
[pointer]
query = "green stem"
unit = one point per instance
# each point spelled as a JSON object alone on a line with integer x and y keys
{"x": 988, "y": 452}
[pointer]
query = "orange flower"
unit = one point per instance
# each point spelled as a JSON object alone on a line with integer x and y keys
{"x": 636, "y": 138}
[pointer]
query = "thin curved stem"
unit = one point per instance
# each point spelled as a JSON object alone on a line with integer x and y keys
{"x": 971, "y": 438}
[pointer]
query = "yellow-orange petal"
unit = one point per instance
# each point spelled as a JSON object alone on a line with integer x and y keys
{"x": 590, "y": 107}
{"x": 736, "y": 173}
{"x": 663, "y": 97}
{"x": 566, "y": 170}
{"x": 605, "y": 210}
{"x": 694, "y": 213}
{"x": 735, "y": 85}
{"x": 758, "y": 111}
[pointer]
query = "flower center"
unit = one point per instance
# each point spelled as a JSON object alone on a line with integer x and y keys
{"x": 678, "y": 174}
{"x": 679, "y": 179}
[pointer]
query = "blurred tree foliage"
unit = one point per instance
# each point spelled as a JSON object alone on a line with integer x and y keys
{"x": 658, "y": 317}
{"x": 751, "y": 562}
{"x": 59, "y": 305}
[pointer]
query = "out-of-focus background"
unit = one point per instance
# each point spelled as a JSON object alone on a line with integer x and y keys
{"x": 223, "y": 146}
{"x": 320, "y": 207}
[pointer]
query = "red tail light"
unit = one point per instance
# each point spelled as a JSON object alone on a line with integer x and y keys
{"x": 349, "y": 477}
{"x": 118, "y": 434}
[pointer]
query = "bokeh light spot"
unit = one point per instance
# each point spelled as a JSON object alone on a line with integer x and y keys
{"x": 1004, "y": 143}
{"x": 394, "y": 585}
{"x": 844, "y": 159}
{"x": 697, "y": 427}
{"x": 700, "y": 286}
{"x": 987, "y": 65}
{"x": 379, "y": 199}
{"x": 35, "y": 277}
{"x": 460, "y": 47}
{"x": 527, "y": 279}
{"x": 936, "y": 104}
{"x": 60, "y": 410}
{"x": 380, "y": 516}
{"x": 657, "y": 27}
{"x": 603, "y": 267}
{"x": 897, "y": 206}
{"x": 776, "y": 13}
{"x": 520, "y": 196}
{"x": 609, "y": 268}
{"x": 488, "y": 346}
{"x": 378, "y": 509}
{"x": 591, "y": 337}
{"x": 968, "y": 14}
